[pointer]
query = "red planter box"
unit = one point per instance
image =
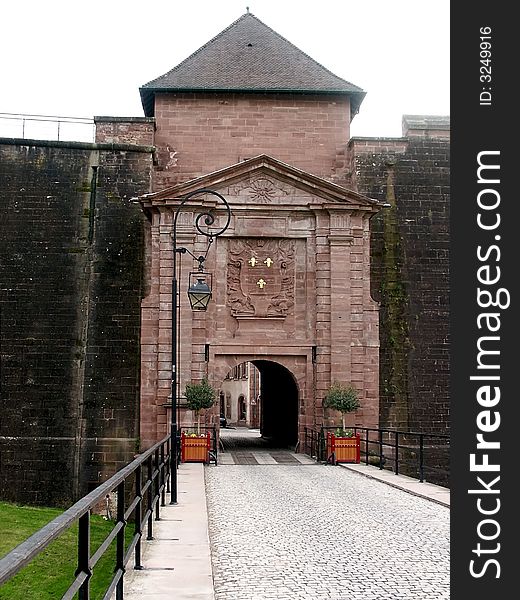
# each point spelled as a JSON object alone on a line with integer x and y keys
{"x": 195, "y": 448}
{"x": 343, "y": 449}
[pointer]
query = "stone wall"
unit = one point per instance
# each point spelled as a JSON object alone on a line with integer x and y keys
{"x": 200, "y": 133}
{"x": 410, "y": 273}
{"x": 71, "y": 278}
{"x": 139, "y": 131}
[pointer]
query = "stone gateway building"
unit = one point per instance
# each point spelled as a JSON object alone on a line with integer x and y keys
{"x": 291, "y": 294}
{"x": 335, "y": 247}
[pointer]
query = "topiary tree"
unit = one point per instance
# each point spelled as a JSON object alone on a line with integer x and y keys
{"x": 199, "y": 396}
{"x": 342, "y": 397}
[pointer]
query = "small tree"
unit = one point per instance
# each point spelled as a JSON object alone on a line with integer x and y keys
{"x": 198, "y": 396}
{"x": 342, "y": 397}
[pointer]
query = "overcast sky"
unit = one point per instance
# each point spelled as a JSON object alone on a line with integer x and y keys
{"x": 70, "y": 58}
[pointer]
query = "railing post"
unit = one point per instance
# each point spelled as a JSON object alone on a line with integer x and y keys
{"x": 157, "y": 486}
{"x": 215, "y": 445}
{"x": 169, "y": 469}
{"x": 321, "y": 443}
{"x": 397, "y": 453}
{"x": 162, "y": 478}
{"x": 421, "y": 457}
{"x": 366, "y": 445}
{"x": 149, "y": 496}
{"x": 84, "y": 555}
{"x": 138, "y": 517}
{"x": 120, "y": 540}
{"x": 380, "y": 449}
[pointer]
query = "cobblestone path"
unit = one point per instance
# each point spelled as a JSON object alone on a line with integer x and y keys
{"x": 310, "y": 532}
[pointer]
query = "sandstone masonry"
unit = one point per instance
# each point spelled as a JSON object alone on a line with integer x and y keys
{"x": 71, "y": 274}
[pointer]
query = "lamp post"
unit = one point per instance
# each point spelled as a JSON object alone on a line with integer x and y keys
{"x": 199, "y": 293}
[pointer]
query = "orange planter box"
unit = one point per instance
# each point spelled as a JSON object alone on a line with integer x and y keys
{"x": 344, "y": 449}
{"x": 195, "y": 448}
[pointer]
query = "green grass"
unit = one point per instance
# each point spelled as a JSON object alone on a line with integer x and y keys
{"x": 50, "y": 574}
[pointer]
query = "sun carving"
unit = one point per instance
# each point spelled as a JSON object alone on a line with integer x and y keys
{"x": 262, "y": 190}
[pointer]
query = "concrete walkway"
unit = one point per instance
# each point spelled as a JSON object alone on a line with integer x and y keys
{"x": 177, "y": 563}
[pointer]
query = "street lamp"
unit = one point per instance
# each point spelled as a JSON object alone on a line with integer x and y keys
{"x": 199, "y": 294}
{"x": 199, "y": 290}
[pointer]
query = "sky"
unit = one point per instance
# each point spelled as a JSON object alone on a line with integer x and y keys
{"x": 85, "y": 59}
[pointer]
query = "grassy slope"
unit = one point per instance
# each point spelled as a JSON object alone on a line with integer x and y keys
{"x": 50, "y": 573}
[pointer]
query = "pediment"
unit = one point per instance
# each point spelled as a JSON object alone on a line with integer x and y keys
{"x": 265, "y": 181}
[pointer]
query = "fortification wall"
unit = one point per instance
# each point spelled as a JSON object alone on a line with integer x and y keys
{"x": 410, "y": 273}
{"x": 71, "y": 278}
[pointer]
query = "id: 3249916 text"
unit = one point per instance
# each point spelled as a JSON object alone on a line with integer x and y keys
{"x": 485, "y": 98}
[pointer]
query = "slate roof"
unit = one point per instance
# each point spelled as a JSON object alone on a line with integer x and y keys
{"x": 248, "y": 56}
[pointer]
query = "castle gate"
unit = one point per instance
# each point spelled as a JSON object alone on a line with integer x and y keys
{"x": 291, "y": 293}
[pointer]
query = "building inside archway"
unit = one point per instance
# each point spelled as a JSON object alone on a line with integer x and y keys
{"x": 239, "y": 396}
{"x": 261, "y": 395}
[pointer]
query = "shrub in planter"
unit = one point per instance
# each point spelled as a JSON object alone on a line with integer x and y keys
{"x": 343, "y": 398}
{"x": 200, "y": 396}
{"x": 339, "y": 432}
{"x": 342, "y": 445}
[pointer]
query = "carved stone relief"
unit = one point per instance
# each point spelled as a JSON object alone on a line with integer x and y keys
{"x": 261, "y": 189}
{"x": 260, "y": 277}
{"x": 340, "y": 221}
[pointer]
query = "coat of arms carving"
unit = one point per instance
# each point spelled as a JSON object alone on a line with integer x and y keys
{"x": 260, "y": 277}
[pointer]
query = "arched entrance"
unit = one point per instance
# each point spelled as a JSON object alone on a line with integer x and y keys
{"x": 264, "y": 397}
{"x": 279, "y": 403}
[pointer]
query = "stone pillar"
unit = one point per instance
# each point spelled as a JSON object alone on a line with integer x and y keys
{"x": 323, "y": 324}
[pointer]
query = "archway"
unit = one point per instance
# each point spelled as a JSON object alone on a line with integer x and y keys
{"x": 262, "y": 396}
{"x": 279, "y": 403}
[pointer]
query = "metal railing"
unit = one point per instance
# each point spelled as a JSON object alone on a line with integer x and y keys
{"x": 416, "y": 454}
{"x": 312, "y": 443}
{"x": 47, "y": 127}
{"x": 149, "y": 474}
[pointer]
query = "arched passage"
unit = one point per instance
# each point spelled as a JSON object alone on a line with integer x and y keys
{"x": 279, "y": 403}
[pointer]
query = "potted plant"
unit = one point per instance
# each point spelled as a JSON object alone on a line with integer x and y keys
{"x": 195, "y": 447}
{"x": 342, "y": 445}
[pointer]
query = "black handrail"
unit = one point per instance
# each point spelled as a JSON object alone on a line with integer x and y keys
{"x": 388, "y": 447}
{"x": 147, "y": 495}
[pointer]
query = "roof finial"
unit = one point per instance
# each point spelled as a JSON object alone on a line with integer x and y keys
{"x": 247, "y": 8}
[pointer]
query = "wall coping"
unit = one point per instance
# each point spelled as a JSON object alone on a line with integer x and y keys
{"x": 105, "y": 119}
{"x": 360, "y": 138}
{"x": 77, "y": 145}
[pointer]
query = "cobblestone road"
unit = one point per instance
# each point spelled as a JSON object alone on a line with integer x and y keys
{"x": 312, "y": 532}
